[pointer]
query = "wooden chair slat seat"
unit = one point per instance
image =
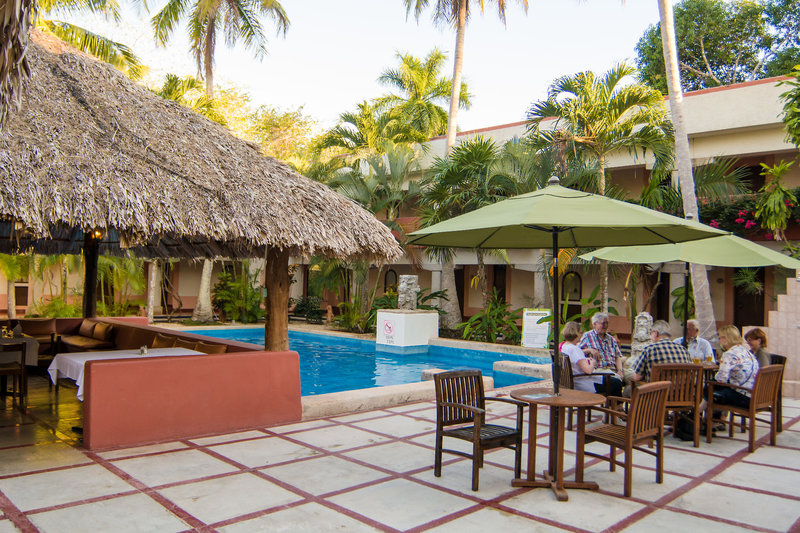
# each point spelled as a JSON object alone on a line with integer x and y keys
{"x": 776, "y": 359}
{"x": 460, "y": 401}
{"x": 644, "y": 424}
{"x": 763, "y": 398}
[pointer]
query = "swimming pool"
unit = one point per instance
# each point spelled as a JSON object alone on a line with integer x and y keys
{"x": 331, "y": 363}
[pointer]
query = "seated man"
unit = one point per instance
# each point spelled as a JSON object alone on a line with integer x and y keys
{"x": 598, "y": 343}
{"x": 663, "y": 350}
{"x": 698, "y": 348}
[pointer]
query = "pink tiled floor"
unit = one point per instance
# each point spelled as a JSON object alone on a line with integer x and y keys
{"x": 370, "y": 471}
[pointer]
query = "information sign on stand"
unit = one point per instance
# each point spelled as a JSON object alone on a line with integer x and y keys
{"x": 534, "y": 333}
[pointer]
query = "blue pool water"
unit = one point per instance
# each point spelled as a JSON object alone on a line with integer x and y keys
{"x": 332, "y": 364}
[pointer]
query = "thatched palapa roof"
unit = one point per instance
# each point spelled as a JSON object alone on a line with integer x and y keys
{"x": 92, "y": 150}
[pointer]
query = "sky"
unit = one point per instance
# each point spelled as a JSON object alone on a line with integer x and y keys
{"x": 334, "y": 51}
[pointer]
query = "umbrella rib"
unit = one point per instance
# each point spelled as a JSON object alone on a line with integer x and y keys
{"x": 670, "y": 241}
{"x": 492, "y": 234}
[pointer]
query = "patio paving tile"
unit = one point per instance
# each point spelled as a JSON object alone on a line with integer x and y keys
{"x": 263, "y": 452}
{"x": 6, "y": 526}
{"x": 778, "y": 480}
{"x": 25, "y": 434}
{"x": 127, "y": 514}
{"x": 400, "y": 503}
{"x": 39, "y": 457}
{"x": 770, "y": 455}
{"x": 321, "y": 475}
{"x": 48, "y": 489}
{"x": 338, "y": 437}
{"x": 663, "y": 520}
{"x": 397, "y": 426}
{"x": 306, "y": 518}
{"x": 494, "y": 481}
{"x": 142, "y": 450}
{"x": 597, "y": 511}
{"x": 229, "y": 437}
{"x": 742, "y": 506}
{"x": 300, "y": 426}
{"x": 172, "y": 467}
{"x": 493, "y": 520}
{"x": 227, "y": 497}
{"x": 395, "y": 456}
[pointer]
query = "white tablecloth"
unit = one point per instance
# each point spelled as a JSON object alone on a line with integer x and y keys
{"x": 31, "y": 350}
{"x": 71, "y": 365}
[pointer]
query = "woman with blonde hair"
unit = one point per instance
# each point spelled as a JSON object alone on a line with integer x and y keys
{"x": 738, "y": 366}
{"x": 757, "y": 340}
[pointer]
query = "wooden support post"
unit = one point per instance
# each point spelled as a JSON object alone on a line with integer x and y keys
{"x": 276, "y": 275}
{"x": 90, "y": 256}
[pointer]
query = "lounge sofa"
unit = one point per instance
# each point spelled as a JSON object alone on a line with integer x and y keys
{"x": 42, "y": 329}
{"x": 91, "y": 335}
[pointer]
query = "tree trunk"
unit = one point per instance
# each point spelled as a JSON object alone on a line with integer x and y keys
{"x": 601, "y": 189}
{"x": 458, "y": 64}
{"x": 12, "y": 299}
{"x": 202, "y": 310}
{"x": 452, "y": 317}
{"x": 276, "y": 323}
{"x": 482, "y": 282}
{"x": 153, "y": 289}
{"x": 702, "y": 295}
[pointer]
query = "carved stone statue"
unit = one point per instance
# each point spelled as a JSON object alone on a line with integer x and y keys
{"x": 642, "y": 325}
{"x": 407, "y": 290}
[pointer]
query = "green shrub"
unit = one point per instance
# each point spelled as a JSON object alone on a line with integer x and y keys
{"x": 494, "y": 322}
{"x": 236, "y": 297}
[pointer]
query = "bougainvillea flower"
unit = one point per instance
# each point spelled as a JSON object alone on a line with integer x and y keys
{"x": 714, "y": 224}
{"x": 739, "y": 220}
{"x": 749, "y": 224}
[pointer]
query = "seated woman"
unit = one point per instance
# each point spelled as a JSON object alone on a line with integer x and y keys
{"x": 581, "y": 365}
{"x": 757, "y": 340}
{"x": 737, "y": 366}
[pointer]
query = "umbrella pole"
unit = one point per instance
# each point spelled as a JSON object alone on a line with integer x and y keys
{"x": 556, "y": 309}
{"x": 90, "y": 258}
{"x": 685, "y": 303}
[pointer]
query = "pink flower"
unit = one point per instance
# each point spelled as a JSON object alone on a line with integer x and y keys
{"x": 749, "y": 224}
{"x": 768, "y": 236}
{"x": 714, "y": 224}
{"x": 742, "y": 213}
{"x": 739, "y": 220}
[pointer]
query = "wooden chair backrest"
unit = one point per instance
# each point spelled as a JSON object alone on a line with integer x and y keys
{"x": 458, "y": 386}
{"x": 765, "y": 390}
{"x": 686, "y": 379}
{"x": 566, "y": 379}
{"x": 776, "y": 359}
{"x": 646, "y": 412}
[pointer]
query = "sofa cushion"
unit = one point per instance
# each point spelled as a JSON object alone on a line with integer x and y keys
{"x": 87, "y": 328}
{"x": 102, "y": 331}
{"x": 79, "y": 343}
{"x": 163, "y": 341}
{"x": 183, "y": 343}
{"x": 209, "y": 348}
{"x": 38, "y": 326}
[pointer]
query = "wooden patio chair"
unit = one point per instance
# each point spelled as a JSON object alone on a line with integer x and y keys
{"x": 567, "y": 380}
{"x": 685, "y": 394}
{"x": 16, "y": 370}
{"x": 460, "y": 402}
{"x": 776, "y": 359}
{"x": 644, "y": 423}
{"x": 763, "y": 397}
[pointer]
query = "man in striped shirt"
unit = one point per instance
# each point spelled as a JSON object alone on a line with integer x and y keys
{"x": 663, "y": 350}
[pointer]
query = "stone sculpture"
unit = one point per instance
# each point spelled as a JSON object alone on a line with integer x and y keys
{"x": 407, "y": 290}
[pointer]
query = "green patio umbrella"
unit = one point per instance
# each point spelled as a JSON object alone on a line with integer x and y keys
{"x": 559, "y": 217}
{"x": 722, "y": 251}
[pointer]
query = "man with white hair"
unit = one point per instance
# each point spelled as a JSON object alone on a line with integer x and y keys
{"x": 662, "y": 351}
{"x": 698, "y": 347}
{"x": 598, "y": 343}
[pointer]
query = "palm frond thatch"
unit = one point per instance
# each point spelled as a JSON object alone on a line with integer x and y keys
{"x": 91, "y": 150}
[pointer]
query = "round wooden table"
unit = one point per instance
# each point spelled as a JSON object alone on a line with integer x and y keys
{"x": 554, "y": 475}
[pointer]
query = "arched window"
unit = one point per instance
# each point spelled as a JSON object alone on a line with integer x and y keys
{"x": 390, "y": 280}
{"x": 571, "y": 290}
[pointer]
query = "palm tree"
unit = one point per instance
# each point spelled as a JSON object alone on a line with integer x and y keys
{"x": 702, "y": 293}
{"x": 103, "y": 48}
{"x": 463, "y": 181}
{"x": 15, "y": 26}
{"x": 13, "y": 267}
{"x": 601, "y": 115}
{"x": 422, "y": 88}
{"x": 366, "y": 131}
{"x": 455, "y": 13}
{"x": 236, "y": 19}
